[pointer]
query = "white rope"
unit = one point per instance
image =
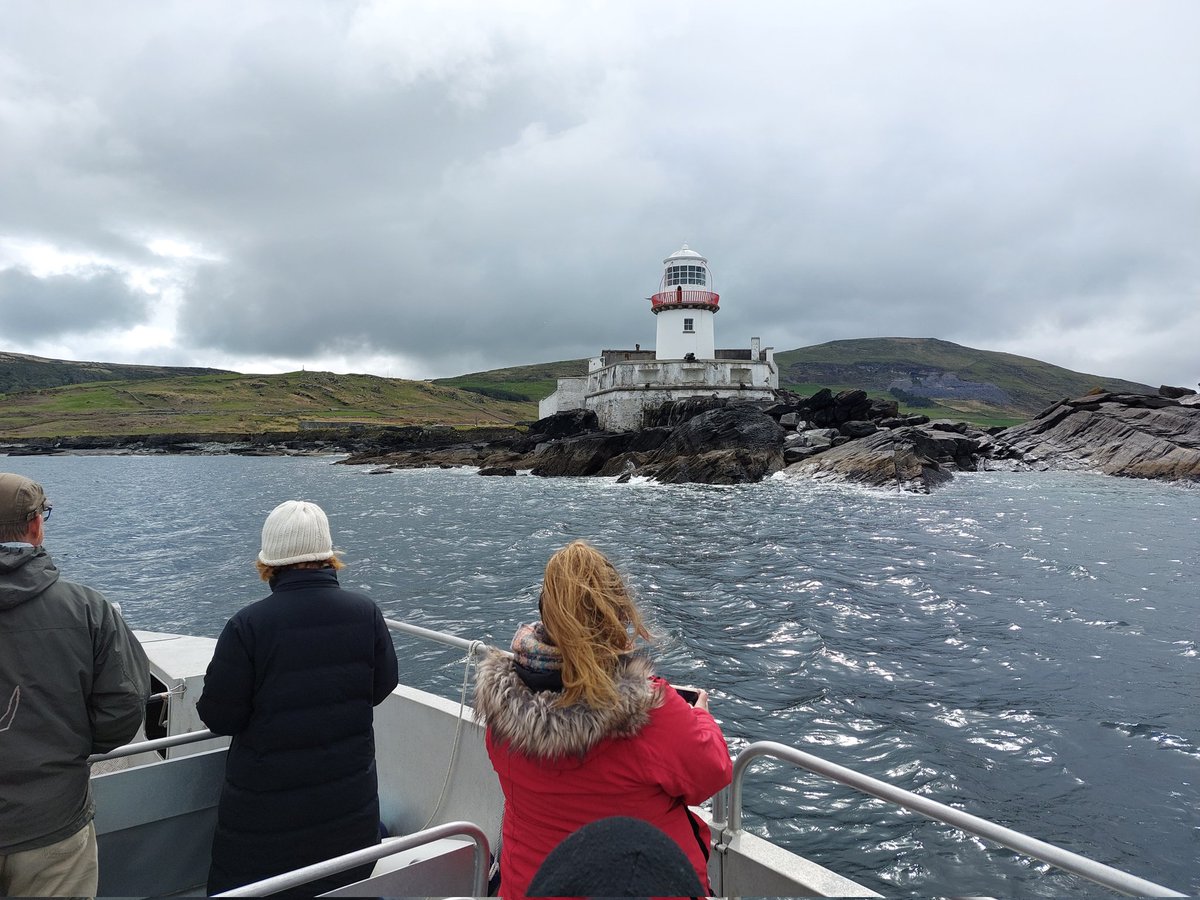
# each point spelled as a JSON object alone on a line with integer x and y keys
{"x": 472, "y": 650}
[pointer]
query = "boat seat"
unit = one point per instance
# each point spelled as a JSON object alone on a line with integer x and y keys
{"x": 441, "y": 868}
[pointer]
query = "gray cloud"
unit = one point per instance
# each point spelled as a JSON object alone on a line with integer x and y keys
{"x": 65, "y": 304}
{"x": 461, "y": 186}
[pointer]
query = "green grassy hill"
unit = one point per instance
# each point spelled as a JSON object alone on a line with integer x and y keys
{"x": 20, "y": 372}
{"x": 960, "y": 381}
{"x": 938, "y": 378}
{"x": 231, "y": 403}
{"x": 531, "y": 383}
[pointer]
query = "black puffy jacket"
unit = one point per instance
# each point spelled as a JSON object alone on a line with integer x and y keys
{"x": 295, "y": 679}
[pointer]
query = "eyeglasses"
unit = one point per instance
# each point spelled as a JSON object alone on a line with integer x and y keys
{"x": 44, "y": 512}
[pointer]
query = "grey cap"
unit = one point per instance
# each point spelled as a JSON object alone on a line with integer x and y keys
{"x": 20, "y": 499}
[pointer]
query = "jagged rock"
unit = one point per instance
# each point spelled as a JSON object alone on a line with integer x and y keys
{"x": 822, "y": 399}
{"x": 901, "y": 421}
{"x": 883, "y": 409}
{"x": 582, "y": 455}
{"x": 675, "y": 412}
{"x": 498, "y": 470}
{"x": 1174, "y": 393}
{"x": 731, "y": 445}
{"x": 1133, "y": 435}
{"x": 791, "y": 420}
{"x": 796, "y": 454}
{"x": 788, "y": 403}
{"x": 568, "y": 423}
{"x": 857, "y": 429}
{"x": 820, "y": 438}
{"x": 734, "y": 426}
{"x": 903, "y": 458}
{"x": 739, "y": 465}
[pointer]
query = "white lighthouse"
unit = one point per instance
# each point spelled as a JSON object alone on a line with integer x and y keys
{"x": 685, "y": 307}
{"x": 622, "y": 385}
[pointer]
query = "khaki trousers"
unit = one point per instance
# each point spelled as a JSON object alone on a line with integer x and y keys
{"x": 65, "y": 869}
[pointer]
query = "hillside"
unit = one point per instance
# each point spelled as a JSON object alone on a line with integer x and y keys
{"x": 938, "y": 378}
{"x": 48, "y": 398}
{"x": 20, "y": 372}
{"x": 533, "y": 383}
{"x": 957, "y": 378}
{"x": 231, "y": 403}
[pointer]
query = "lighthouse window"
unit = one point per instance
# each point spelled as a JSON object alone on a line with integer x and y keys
{"x": 687, "y": 325}
{"x": 686, "y": 275}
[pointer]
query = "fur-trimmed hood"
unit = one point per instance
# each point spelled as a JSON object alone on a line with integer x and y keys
{"x": 535, "y": 725}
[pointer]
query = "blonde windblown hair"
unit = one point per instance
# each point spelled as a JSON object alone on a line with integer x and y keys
{"x": 590, "y": 616}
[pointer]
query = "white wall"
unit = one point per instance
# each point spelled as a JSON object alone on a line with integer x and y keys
{"x": 568, "y": 396}
{"x": 619, "y": 392}
{"x": 672, "y": 342}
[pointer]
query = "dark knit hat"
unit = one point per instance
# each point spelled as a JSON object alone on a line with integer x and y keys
{"x": 616, "y": 857}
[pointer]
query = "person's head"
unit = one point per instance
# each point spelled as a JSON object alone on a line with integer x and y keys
{"x": 616, "y": 857}
{"x": 23, "y": 507}
{"x": 296, "y": 535}
{"x": 590, "y": 616}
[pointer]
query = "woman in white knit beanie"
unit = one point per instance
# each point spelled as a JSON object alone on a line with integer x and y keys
{"x": 294, "y": 679}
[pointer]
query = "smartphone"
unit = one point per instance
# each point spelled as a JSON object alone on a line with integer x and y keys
{"x": 690, "y": 694}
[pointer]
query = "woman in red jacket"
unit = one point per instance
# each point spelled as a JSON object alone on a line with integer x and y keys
{"x": 579, "y": 728}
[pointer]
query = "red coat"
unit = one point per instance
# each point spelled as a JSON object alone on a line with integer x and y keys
{"x": 561, "y": 768}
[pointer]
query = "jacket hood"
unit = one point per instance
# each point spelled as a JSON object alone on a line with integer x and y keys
{"x": 535, "y": 725}
{"x": 25, "y": 572}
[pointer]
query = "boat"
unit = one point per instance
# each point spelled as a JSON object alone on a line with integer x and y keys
{"x": 156, "y": 802}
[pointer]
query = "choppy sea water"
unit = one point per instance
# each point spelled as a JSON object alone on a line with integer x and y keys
{"x": 1023, "y": 646}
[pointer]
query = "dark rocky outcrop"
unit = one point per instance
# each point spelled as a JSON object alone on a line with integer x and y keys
{"x": 734, "y": 444}
{"x": 1175, "y": 393}
{"x": 1133, "y": 435}
{"x": 846, "y": 436}
{"x": 915, "y": 458}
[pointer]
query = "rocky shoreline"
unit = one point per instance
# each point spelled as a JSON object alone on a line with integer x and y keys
{"x": 845, "y": 436}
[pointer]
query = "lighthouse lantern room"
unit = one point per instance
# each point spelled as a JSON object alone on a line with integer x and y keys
{"x": 685, "y": 306}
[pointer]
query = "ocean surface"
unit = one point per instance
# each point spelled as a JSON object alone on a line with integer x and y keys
{"x": 1024, "y": 647}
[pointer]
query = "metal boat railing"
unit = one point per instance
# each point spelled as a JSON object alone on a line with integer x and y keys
{"x": 300, "y": 877}
{"x": 440, "y": 637}
{"x": 726, "y": 810}
{"x": 162, "y": 743}
{"x": 1066, "y": 860}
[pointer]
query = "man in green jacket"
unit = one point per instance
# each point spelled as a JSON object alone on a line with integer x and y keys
{"x": 73, "y": 681}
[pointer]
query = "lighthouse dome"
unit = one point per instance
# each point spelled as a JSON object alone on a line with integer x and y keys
{"x": 685, "y": 252}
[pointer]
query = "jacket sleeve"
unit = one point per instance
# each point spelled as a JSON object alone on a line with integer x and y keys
{"x": 120, "y": 682}
{"x": 687, "y": 754}
{"x": 386, "y": 669}
{"x": 227, "y": 699}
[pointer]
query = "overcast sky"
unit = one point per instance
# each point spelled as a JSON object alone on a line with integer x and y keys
{"x": 424, "y": 189}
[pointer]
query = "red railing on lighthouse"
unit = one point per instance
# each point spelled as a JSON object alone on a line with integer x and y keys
{"x": 681, "y": 299}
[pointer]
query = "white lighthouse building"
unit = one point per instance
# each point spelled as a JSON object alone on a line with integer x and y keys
{"x": 685, "y": 308}
{"x": 621, "y": 384}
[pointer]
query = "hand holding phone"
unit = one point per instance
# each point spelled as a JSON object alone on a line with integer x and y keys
{"x": 694, "y": 696}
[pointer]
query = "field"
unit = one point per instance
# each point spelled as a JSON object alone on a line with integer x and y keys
{"x": 246, "y": 404}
